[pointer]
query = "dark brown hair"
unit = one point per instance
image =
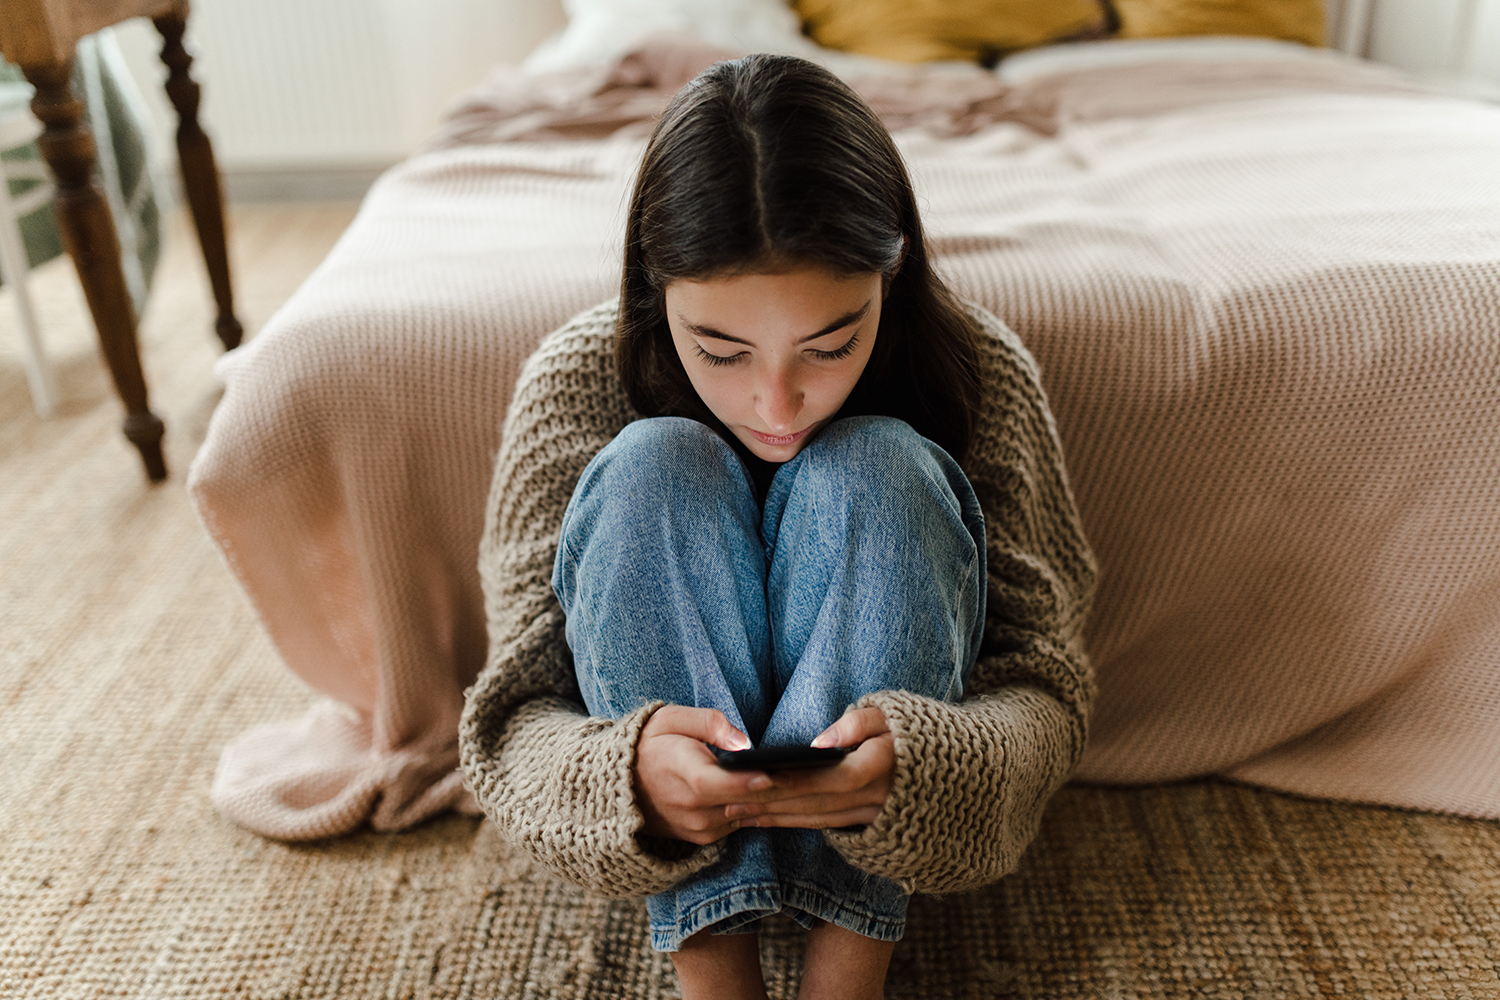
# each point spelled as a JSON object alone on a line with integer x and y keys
{"x": 771, "y": 162}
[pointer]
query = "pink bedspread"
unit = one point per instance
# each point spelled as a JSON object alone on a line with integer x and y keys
{"x": 1265, "y": 298}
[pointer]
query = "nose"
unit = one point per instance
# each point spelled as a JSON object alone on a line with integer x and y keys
{"x": 778, "y": 401}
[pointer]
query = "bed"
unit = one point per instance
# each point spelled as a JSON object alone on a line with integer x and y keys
{"x": 1262, "y": 283}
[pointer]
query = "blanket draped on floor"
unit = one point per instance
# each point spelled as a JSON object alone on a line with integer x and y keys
{"x": 1265, "y": 299}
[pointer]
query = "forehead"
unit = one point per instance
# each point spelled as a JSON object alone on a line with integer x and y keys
{"x": 795, "y": 301}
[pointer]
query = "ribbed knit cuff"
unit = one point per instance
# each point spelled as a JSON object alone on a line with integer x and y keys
{"x": 626, "y": 866}
{"x": 561, "y": 786}
{"x": 970, "y": 782}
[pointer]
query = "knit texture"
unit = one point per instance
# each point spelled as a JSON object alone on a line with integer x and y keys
{"x": 130, "y": 658}
{"x": 970, "y": 779}
{"x": 1265, "y": 302}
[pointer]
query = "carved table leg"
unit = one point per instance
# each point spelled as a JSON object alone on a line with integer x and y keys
{"x": 88, "y": 232}
{"x": 200, "y": 175}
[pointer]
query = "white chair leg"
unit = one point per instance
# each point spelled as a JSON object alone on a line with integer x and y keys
{"x": 15, "y": 271}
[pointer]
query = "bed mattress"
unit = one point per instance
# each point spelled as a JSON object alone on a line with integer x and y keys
{"x": 1263, "y": 288}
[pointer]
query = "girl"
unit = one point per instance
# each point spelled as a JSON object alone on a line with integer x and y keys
{"x": 786, "y": 490}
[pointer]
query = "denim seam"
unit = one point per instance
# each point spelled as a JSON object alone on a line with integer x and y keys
{"x": 890, "y": 928}
{"x": 691, "y": 923}
{"x": 825, "y": 893}
{"x": 872, "y": 925}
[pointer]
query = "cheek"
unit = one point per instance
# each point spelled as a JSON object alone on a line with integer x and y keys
{"x": 720, "y": 392}
{"x": 831, "y": 388}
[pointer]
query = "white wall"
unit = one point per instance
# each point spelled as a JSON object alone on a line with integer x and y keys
{"x": 1423, "y": 37}
{"x": 346, "y": 87}
{"x": 333, "y": 85}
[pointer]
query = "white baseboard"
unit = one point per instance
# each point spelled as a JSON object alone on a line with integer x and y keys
{"x": 300, "y": 184}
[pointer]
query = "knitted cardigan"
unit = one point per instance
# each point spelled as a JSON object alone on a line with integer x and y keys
{"x": 971, "y": 778}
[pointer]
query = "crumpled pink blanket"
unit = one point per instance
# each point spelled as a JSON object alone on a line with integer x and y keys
{"x": 1265, "y": 298}
{"x": 625, "y": 98}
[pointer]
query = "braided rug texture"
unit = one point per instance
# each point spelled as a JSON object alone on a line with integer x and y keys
{"x": 128, "y": 658}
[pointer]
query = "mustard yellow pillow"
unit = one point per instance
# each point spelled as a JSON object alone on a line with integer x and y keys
{"x": 1292, "y": 20}
{"x": 973, "y": 30}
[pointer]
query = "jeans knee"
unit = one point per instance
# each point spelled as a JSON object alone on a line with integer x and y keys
{"x": 662, "y": 438}
{"x": 654, "y": 435}
{"x": 870, "y": 446}
{"x": 876, "y": 476}
{"x": 654, "y": 459}
{"x": 652, "y": 480}
{"x": 875, "y": 456}
{"x": 873, "y": 430}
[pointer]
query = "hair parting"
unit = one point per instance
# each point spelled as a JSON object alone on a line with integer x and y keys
{"x": 770, "y": 163}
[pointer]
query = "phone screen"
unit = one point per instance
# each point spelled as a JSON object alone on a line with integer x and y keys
{"x": 779, "y": 758}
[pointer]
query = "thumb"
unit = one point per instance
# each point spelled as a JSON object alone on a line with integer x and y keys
{"x": 853, "y": 727}
{"x": 708, "y": 725}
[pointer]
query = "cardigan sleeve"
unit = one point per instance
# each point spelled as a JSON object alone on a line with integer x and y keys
{"x": 553, "y": 780}
{"x": 972, "y": 777}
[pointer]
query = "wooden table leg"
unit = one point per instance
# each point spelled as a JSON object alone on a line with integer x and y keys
{"x": 88, "y": 232}
{"x": 200, "y": 175}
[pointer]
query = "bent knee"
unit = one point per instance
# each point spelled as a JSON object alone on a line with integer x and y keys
{"x": 879, "y": 454}
{"x": 889, "y": 474}
{"x": 874, "y": 430}
{"x": 655, "y": 469}
{"x": 662, "y": 455}
{"x": 663, "y": 437}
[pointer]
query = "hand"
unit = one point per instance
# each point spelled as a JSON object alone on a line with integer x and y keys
{"x": 679, "y": 786}
{"x": 851, "y": 793}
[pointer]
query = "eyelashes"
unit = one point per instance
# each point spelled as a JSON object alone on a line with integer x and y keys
{"x": 842, "y": 352}
{"x": 717, "y": 360}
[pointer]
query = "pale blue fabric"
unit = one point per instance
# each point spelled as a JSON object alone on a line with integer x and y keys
{"x": 863, "y": 572}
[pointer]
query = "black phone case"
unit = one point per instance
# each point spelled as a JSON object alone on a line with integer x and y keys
{"x": 779, "y": 758}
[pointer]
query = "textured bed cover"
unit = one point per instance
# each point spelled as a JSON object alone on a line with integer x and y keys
{"x": 1265, "y": 298}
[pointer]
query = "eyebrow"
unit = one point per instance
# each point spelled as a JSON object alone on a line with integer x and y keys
{"x": 836, "y": 325}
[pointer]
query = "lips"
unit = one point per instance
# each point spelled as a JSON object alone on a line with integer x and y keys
{"x": 773, "y": 440}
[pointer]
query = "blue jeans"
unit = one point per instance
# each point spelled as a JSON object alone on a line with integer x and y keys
{"x": 864, "y": 572}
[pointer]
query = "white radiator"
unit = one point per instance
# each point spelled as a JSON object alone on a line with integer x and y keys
{"x": 335, "y": 84}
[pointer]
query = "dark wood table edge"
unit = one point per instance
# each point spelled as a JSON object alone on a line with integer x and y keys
{"x": 88, "y": 230}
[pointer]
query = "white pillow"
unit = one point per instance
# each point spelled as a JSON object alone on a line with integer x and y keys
{"x": 599, "y": 31}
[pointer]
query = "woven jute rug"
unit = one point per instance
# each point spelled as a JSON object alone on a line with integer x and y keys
{"x": 128, "y": 658}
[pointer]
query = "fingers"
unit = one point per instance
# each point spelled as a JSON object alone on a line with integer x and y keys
{"x": 861, "y": 779}
{"x": 809, "y": 805}
{"x": 797, "y": 801}
{"x": 862, "y": 816}
{"x": 854, "y": 726}
{"x": 704, "y": 783}
{"x": 684, "y": 793}
{"x": 872, "y": 762}
{"x": 679, "y": 787}
{"x": 707, "y": 725}
{"x": 704, "y": 827}
{"x": 696, "y": 779}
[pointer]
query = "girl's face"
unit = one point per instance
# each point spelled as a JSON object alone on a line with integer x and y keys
{"x": 774, "y": 356}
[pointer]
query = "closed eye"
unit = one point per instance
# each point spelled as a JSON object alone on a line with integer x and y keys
{"x": 718, "y": 359}
{"x": 838, "y": 353}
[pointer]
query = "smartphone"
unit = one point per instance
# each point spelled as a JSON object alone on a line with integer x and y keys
{"x": 779, "y": 758}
